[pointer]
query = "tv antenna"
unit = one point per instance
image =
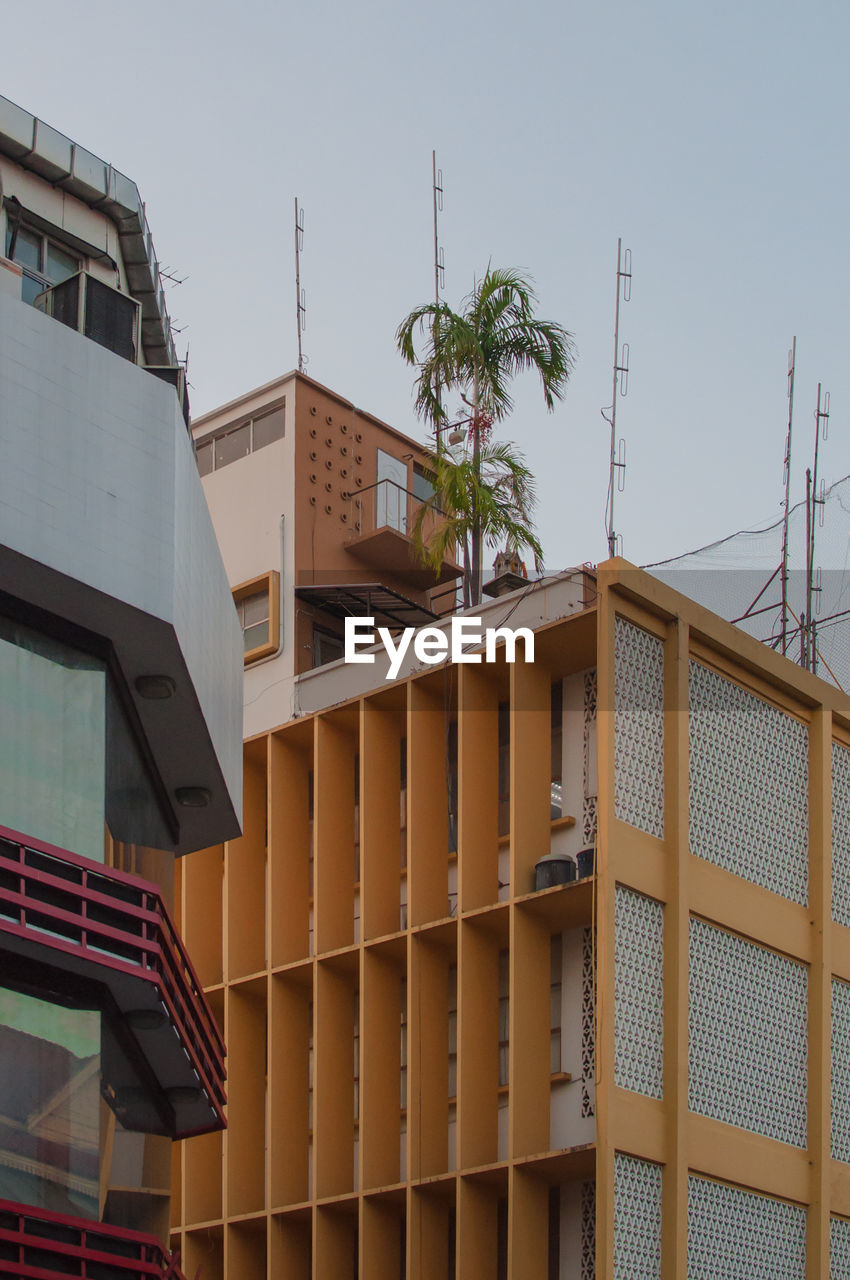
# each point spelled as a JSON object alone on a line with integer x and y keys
{"x": 439, "y": 280}
{"x": 617, "y": 465}
{"x": 792, "y": 361}
{"x": 814, "y": 498}
{"x": 300, "y": 300}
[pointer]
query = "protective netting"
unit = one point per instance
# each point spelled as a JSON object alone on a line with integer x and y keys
{"x": 739, "y": 577}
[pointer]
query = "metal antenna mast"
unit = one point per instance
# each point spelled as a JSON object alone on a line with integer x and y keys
{"x": 617, "y": 468}
{"x": 439, "y": 277}
{"x": 814, "y": 499}
{"x": 792, "y": 360}
{"x": 300, "y": 301}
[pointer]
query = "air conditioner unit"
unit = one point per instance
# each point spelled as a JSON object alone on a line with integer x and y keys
{"x": 97, "y": 310}
{"x": 176, "y": 375}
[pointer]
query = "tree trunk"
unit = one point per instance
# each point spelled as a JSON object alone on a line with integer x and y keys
{"x": 476, "y": 517}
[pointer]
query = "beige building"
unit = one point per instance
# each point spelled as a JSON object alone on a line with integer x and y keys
{"x": 438, "y": 1068}
{"x": 314, "y": 502}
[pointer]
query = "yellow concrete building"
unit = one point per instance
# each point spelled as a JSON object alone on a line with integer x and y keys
{"x": 437, "y": 1070}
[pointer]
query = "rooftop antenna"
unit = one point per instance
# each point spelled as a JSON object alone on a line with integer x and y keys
{"x": 617, "y": 467}
{"x": 792, "y": 361}
{"x": 439, "y": 277}
{"x": 814, "y": 498}
{"x": 300, "y": 301}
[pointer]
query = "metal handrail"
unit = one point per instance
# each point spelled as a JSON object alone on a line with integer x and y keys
{"x": 83, "y": 1242}
{"x": 407, "y": 507}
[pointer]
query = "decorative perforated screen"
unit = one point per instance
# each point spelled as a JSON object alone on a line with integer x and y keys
{"x": 590, "y": 805}
{"x": 588, "y": 1230}
{"x": 749, "y": 786}
{"x": 638, "y": 728}
{"x": 588, "y": 1025}
{"x": 637, "y": 1219}
{"x": 739, "y": 1235}
{"x": 840, "y": 834}
{"x": 840, "y": 1141}
{"x": 839, "y": 1249}
{"x": 747, "y": 1046}
{"x": 638, "y": 993}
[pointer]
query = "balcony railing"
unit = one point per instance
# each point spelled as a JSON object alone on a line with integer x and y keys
{"x": 36, "y": 1243}
{"x": 381, "y": 519}
{"x": 114, "y": 927}
{"x": 386, "y": 505}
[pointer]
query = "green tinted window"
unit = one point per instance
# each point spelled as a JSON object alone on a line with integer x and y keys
{"x": 50, "y": 1138}
{"x": 52, "y": 740}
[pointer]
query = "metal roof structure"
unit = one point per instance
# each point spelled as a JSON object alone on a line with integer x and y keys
{"x": 367, "y": 599}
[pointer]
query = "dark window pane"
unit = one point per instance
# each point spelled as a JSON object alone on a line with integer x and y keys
{"x": 27, "y": 248}
{"x": 422, "y": 486}
{"x": 31, "y": 287}
{"x": 204, "y": 457}
{"x": 326, "y": 647}
{"x": 256, "y": 635}
{"x": 59, "y": 264}
{"x": 268, "y": 428}
{"x": 53, "y": 740}
{"x": 236, "y": 444}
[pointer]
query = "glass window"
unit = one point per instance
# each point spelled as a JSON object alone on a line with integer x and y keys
{"x": 52, "y": 740}
{"x": 268, "y": 428}
{"x": 422, "y": 486}
{"x": 31, "y": 287}
{"x": 69, "y": 762}
{"x": 238, "y": 442}
{"x": 50, "y": 1127}
{"x": 204, "y": 457}
{"x": 28, "y": 247}
{"x": 44, "y": 263}
{"x": 233, "y": 445}
{"x": 253, "y": 614}
{"x": 60, "y": 265}
{"x": 70, "y": 1142}
{"x": 326, "y": 647}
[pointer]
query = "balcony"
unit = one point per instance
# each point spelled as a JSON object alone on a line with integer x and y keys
{"x": 383, "y": 517}
{"x": 106, "y": 927}
{"x": 34, "y": 1242}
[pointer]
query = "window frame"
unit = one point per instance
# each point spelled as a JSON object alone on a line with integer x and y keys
{"x": 212, "y": 437}
{"x": 39, "y": 275}
{"x": 268, "y": 582}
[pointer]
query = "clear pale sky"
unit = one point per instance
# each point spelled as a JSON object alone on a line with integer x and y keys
{"x": 712, "y": 138}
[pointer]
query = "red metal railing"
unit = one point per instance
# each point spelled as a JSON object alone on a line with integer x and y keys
{"x": 38, "y": 1245}
{"x": 114, "y": 920}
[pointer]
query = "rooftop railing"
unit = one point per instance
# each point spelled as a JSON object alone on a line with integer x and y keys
{"x": 36, "y": 1243}
{"x": 114, "y": 925}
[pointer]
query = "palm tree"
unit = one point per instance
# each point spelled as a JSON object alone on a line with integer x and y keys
{"x": 492, "y": 496}
{"x": 478, "y": 352}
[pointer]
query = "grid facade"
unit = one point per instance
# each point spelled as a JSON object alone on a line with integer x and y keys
{"x": 402, "y": 1061}
{"x": 689, "y": 969}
